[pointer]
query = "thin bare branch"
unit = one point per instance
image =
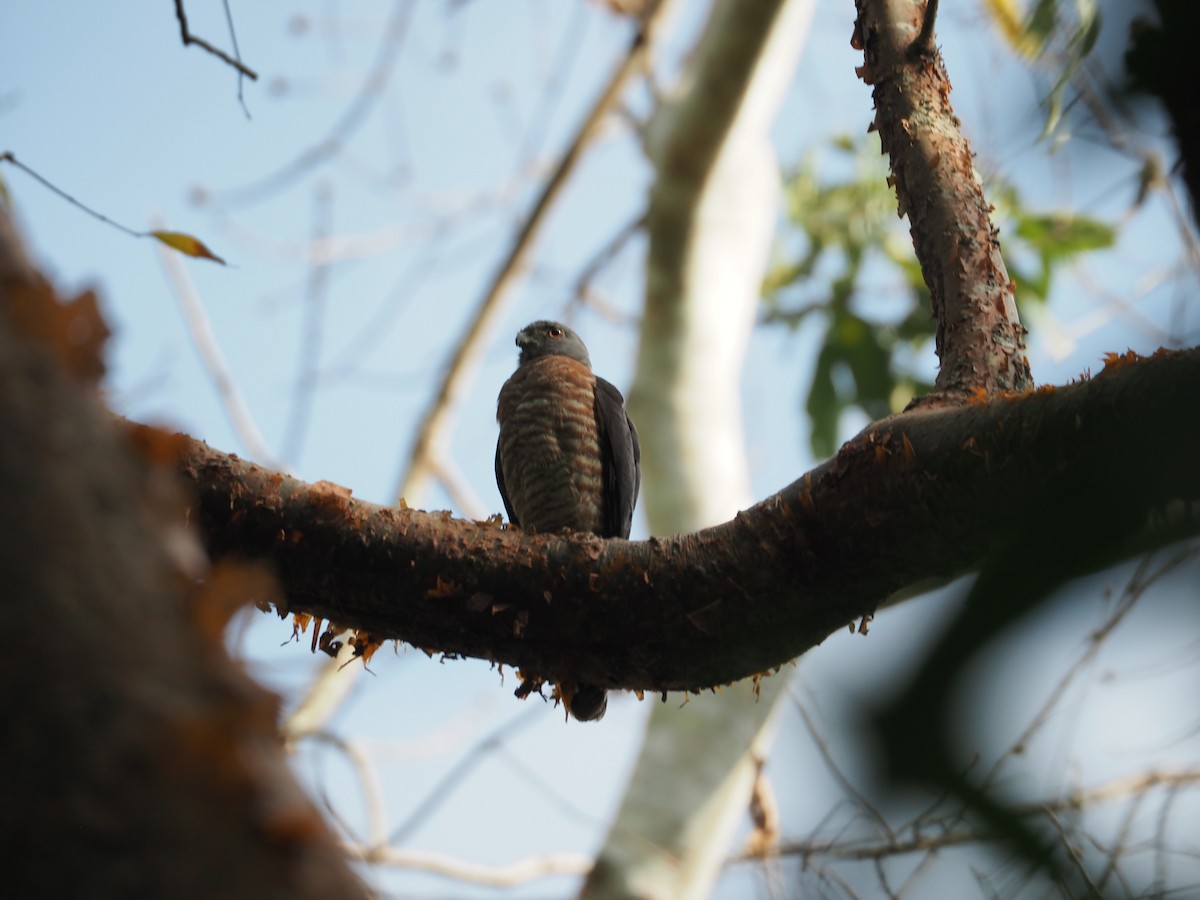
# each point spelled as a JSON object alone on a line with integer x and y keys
{"x": 457, "y": 774}
{"x": 1120, "y": 788}
{"x": 237, "y": 55}
{"x": 213, "y": 360}
{"x": 840, "y": 777}
{"x": 1148, "y": 571}
{"x": 308, "y": 363}
{"x": 183, "y": 243}
{"x": 355, "y": 114}
{"x": 583, "y": 292}
{"x": 10, "y": 158}
{"x": 371, "y": 789}
{"x": 188, "y": 38}
{"x": 519, "y": 872}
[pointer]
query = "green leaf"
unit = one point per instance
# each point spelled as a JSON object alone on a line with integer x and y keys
{"x": 822, "y": 406}
{"x": 1041, "y": 24}
{"x": 1029, "y": 285}
{"x": 1062, "y": 235}
{"x": 1079, "y": 44}
{"x": 1027, "y": 35}
{"x": 918, "y": 325}
{"x": 868, "y": 360}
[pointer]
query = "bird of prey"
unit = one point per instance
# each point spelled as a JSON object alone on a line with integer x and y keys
{"x": 568, "y": 454}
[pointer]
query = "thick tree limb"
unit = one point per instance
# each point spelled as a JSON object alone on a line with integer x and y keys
{"x": 924, "y": 495}
{"x": 142, "y": 762}
{"x": 980, "y": 339}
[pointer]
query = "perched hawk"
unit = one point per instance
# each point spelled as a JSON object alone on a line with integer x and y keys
{"x": 568, "y": 454}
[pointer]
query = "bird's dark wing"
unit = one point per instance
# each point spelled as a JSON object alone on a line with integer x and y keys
{"x": 512, "y": 516}
{"x": 621, "y": 458}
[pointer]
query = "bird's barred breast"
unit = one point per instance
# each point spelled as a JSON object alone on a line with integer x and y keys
{"x": 549, "y": 447}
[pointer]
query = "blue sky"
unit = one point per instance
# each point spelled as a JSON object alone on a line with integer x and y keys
{"x": 104, "y": 101}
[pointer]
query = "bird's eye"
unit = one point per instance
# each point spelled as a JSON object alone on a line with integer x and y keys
{"x": 555, "y": 332}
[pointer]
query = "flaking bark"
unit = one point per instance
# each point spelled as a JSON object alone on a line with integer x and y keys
{"x": 919, "y": 496}
{"x": 979, "y": 337}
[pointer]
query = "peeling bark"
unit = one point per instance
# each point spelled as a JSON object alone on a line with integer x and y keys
{"x": 980, "y": 339}
{"x": 140, "y": 761}
{"x": 923, "y": 495}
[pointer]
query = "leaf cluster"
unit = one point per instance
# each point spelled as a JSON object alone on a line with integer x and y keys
{"x": 1051, "y": 34}
{"x": 846, "y": 267}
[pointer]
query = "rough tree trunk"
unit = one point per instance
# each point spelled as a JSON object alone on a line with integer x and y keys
{"x": 140, "y": 761}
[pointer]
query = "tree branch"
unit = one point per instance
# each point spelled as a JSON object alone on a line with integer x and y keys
{"x": 129, "y": 724}
{"x": 923, "y": 495}
{"x": 933, "y": 838}
{"x": 980, "y": 339}
{"x": 188, "y": 38}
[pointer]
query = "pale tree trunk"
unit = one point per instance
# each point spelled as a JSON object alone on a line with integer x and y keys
{"x": 711, "y": 220}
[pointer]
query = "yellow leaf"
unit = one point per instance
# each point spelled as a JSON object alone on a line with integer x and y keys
{"x": 1007, "y": 18}
{"x": 1025, "y": 32}
{"x": 187, "y": 244}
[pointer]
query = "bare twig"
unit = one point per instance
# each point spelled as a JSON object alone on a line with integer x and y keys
{"x": 189, "y": 38}
{"x": 454, "y": 778}
{"x": 438, "y": 418}
{"x": 521, "y": 871}
{"x": 332, "y": 143}
{"x": 200, "y": 330}
{"x": 368, "y": 777}
{"x": 1132, "y": 786}
{"x": 567, "y": 57}
{"x": 979, "y": 336}
{"x": 1121, "y": 136}
{"x": 839, "y": 776}
{"x": 237, "y": 55}
{"x": 601, "y": 259}
{"x": 184, "y": 243}
{"x": 1144, "y": 576}
{"x": 10, "y": 158}
{"x": 537, "y": 781}
{"x": 308, "y": 363}
{"x": 1129, "y": 820}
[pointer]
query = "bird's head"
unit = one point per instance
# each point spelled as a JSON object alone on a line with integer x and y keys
{"x": 543, "y": 338}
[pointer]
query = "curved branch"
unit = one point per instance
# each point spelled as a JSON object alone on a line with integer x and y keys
{"x": 924, "y": 495}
